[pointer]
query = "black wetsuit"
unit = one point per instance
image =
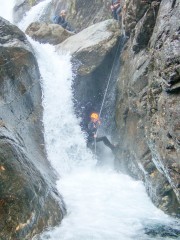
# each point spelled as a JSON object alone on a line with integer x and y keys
{"x": 61, "y": 21}
{"x": 116, "y": 11}
{"x": 92, "y": 130}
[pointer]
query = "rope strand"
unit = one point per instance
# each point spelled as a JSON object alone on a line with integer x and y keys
{"x": 106, "y": 92}
{"x": 109, "y": 80}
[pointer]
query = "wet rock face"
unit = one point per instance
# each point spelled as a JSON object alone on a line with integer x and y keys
{"x": 26, "y": 203}
{"x": 140, "y": 11}
{"x": 28, "y": 199}
{"x": 47, "y": 33}
{"x": 92, "y": 53}
{"x": 148, "y": 113}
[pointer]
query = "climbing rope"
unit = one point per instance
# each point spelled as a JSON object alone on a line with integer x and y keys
{"x": 106, "y": 91}
{"x": 109, "y": 80}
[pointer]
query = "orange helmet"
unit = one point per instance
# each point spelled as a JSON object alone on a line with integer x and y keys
{"x": 95, "y": 116}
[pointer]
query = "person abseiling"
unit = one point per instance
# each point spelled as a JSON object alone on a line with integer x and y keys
{"x": 61, "y": 20}
{"x": 116, "y": 9}
{"x": 92, "y": 132}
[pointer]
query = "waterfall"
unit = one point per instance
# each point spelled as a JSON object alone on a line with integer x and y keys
{"x": 65, "y": 143}
{"x": 101, "y": 203}
{"x": 34, "y": 15}
{"x": 6, "y": 9}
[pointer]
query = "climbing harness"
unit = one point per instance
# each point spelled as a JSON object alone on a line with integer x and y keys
{"x": 106, "y": 91}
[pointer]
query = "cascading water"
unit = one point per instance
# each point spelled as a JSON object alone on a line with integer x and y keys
{"x": 101, "y": 203}
{"x": 6, "y": 9}
{"x": 64, "y": 140}
{"x": 35, "y": 15}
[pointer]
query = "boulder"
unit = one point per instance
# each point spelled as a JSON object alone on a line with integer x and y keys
{"x": 29, "y": 201}
{"x": 92, "y": 53}
{"x": 47, "y": 33}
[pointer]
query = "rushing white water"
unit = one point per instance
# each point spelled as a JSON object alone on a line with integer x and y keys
{"x": 6, "y": 8}
{"x": 65, "y": 142}
{"x": 6, "y": 11}
{"x": 33, "y": 15}
{"x": 101, "y": 203}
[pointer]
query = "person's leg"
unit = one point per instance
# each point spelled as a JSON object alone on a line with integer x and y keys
{"x": 69, "y": 28}
{"x": 114, "y": 14}
{"x": 64, "y": 24}
{"x": 118, "y": 11}
{"x": 106, "y": 141}
{"x": 90, "y": 145}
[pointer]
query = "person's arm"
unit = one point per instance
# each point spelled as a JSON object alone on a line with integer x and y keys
{"x": 60, "y": 20}
{"x": 64, "y": 24}
{"x": 92, "y": 129}
{"x": 112, "y": 7}
{"x": 116, "y": 4}
{"x": 97, "y": 124}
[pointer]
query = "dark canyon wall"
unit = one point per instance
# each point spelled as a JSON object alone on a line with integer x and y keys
{"x": 148, "y": 105}
{"x": 27, "y": 189}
